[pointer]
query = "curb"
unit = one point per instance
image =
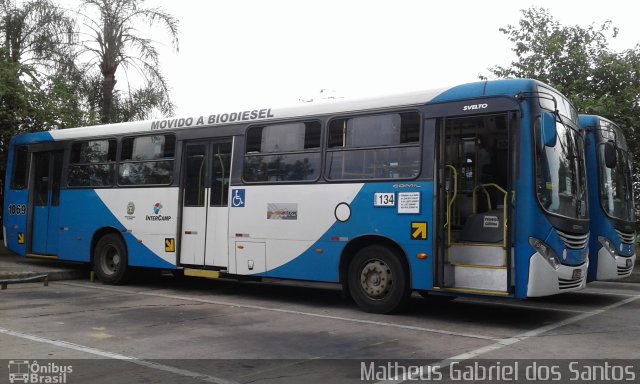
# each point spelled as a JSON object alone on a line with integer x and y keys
{"x": 53, "y": 275}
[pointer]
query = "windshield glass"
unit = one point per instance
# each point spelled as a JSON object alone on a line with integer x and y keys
{"x": 560, "y": 174}
{"x": 616, "y": 195}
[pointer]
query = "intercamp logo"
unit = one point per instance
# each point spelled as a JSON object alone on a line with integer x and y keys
{"x": 157, "y": 207}
{"x": 25, "y": 371}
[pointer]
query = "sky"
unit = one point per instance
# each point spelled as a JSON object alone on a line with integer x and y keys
{"x": 237, "y": 54}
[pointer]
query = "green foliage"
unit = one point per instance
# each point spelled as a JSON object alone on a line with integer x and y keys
{"x": 579, "y": 63}
{"x": 114, "y": 43}
{"x": 51, "y": 79}
{"x": 37, "y": 91}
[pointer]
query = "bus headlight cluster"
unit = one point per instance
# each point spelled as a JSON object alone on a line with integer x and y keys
{"x": 547, "y": 253}
{"x": 608, "y": 245}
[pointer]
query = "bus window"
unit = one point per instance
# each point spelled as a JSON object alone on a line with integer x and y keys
{"x": 194, "y": 186}
{"x": 20, "y": 168}
{"x": 374, "y": 147}
{"x": 41, "y": 184}
{"x": 221, "y": 172}
{"x": 283, "y": 152}
{"x": 91, "y": 163}
{"x": 147, "y": 160}
{"x": 55, "y": 178}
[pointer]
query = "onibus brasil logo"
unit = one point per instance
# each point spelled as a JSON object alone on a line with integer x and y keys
{"x": 25, "y": 371}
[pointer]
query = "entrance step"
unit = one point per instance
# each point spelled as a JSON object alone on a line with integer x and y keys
{"x": 477, "y": 254}
{"x": 478, "y": 277}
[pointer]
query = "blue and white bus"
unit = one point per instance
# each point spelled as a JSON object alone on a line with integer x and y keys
{"x": 612, "y": 227}
{"x": 473, "y": 189}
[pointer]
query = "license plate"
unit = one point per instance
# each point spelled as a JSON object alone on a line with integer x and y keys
{"x": 629, "y": 262}
{"x": 577, "y": 273}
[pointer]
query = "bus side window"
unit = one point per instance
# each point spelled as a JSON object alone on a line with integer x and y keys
{"x": 384, "y": 146}
{"x": 20, "y": 168}
{"x": 283, "y": 152}
{"x": 147, "y": 160}
{"x": 91, "y": 163}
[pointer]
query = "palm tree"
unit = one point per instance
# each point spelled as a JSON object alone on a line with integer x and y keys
{"x": 113, "y": 41}
{"x": 37, "y": 34}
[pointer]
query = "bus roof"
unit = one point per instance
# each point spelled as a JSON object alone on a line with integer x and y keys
{"x": 266, "y": 113}
{"x": 603, "y": 126}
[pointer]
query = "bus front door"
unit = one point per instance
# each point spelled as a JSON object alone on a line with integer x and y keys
{"x": 205, "y": 214}
{"x": 45, "y": 202}
{"x": 474, "y": 197}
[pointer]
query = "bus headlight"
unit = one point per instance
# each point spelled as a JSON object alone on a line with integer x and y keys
{"x": 608, "y": 245}
{"x": 546, "y": 252}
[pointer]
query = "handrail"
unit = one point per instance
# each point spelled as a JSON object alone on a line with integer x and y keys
{"x": 450, "y": 202}
{"x": 475, "y": 206}
{"x": 504, "y": 207}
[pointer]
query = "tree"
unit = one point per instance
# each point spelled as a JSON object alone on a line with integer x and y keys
{"x": 37, "y": 34}
{"x": 113, "y": 42}
{"x": 38, "y": 77}
{"x": 579, "y": 63}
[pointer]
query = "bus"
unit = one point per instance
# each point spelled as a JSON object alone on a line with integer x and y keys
{"x": 473, "y": 189}
{"x": 612, "y": 227}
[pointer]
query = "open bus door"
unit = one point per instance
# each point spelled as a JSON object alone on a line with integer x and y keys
{"x": 474, "y": 204}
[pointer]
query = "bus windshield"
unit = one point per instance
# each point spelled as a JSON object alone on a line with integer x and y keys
{"x": 616, "y": 195}
{"x": 560, "y": 175}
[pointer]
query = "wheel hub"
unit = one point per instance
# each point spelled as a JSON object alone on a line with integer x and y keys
{"x": 375, "y": 279}
{"x": 111, "y": 261}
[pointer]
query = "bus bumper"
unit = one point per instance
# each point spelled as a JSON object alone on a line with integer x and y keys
{"x": 544, "y": 280}
{"x": 614, "y": 267}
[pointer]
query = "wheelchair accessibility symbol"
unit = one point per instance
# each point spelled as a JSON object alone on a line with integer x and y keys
{"x": 237, "y": 199}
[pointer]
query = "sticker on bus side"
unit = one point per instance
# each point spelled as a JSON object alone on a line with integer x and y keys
{"x": 384, "y": 199}
{"x": 17, "y": 209}
{"x": 237, "y": 198}
{"x": 419, "y": 230}
{"x": 282, "y": 211}
{"x": 169, "y": 244}
{"x": 408, "y": 202}
{"x": 491, "y": 222}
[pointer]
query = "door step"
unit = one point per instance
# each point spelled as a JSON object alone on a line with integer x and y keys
{"x": 477, "y": 254}
{"x": 474, "y": 291}
{"x": 202, "y": 273}
{"x": 477, "y": 277}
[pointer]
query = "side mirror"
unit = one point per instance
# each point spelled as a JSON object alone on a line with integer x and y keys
{"x": 610, "y": 155}
{"x": 548, "y": 129}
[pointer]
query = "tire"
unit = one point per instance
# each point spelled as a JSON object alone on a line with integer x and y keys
{"x": 110, "y": 262}
{"x": 378, "y": 282}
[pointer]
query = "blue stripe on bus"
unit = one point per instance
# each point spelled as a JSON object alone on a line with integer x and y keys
{"x": 82, "y": 224}
{"x": 483, "y": 88}
{"x": 36, "y": 137}
{"x": 369, "y": 220}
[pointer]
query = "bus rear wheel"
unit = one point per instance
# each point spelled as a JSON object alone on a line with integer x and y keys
{"x": 110, "y": 262}
{"x": 378, "y": 281}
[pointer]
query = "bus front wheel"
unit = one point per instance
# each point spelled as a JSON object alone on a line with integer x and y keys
{"x": 378, "y": 281}
{"x": 110, "y": 260}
